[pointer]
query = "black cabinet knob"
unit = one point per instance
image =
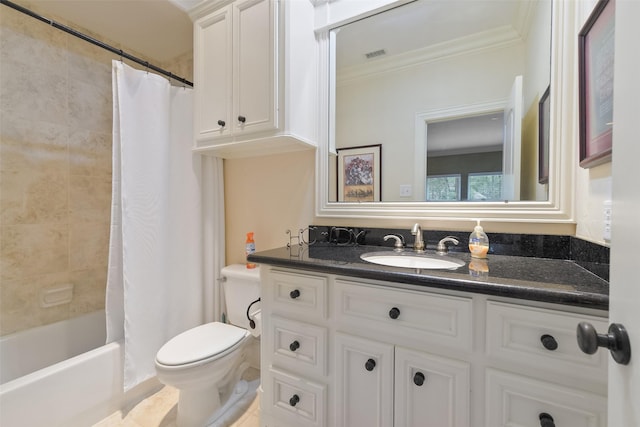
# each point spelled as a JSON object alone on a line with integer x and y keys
{"x": 221, "y": 123}
{"x": 418, "y": 379}
{"x": 294, "y": 346}
{"x": 369, "y": 365}
{"x": 294, "y": 294}
{"x": 242, "y": 119}
{"x": 616, "y": 340}
{"x": 294, "y": 400}
{"x": 549, "y": 342}
{"x": 546, "y": 420}
{"x": 394, "y": 313}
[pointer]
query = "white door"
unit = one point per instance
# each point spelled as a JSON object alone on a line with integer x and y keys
{"x": 364, "y": 382}
{"x": 624, "y": 308}
{"x": 512, "y": 143}
{"x": 430, "y": 391}
{"x": 213, "y": 74}
{"x": 254, "y": 54}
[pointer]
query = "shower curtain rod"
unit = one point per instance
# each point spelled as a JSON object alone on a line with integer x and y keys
{"x": 96, "y": 42}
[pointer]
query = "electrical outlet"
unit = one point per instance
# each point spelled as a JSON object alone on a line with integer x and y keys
{"x": 607, "y": 220}
{"x": 405, "y": 190}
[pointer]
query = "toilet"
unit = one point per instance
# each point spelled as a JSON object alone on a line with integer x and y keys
{"x": 206, "y": 363}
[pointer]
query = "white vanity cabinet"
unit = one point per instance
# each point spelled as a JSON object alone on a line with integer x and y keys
{"x": 390, "y": 368}
{"x": 533, "y": 344}
{"x": 254, "y": 89}
{"x": 344, "y": 352}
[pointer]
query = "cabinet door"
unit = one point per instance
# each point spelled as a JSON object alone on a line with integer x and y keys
{"x": 254, "y": 52}
{"x": 430, "y": 391}
{"x": 363, "y": 382}
{"x": 213, "y": 74}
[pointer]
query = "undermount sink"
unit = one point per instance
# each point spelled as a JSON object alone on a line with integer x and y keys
{"x": 412, "y": 260}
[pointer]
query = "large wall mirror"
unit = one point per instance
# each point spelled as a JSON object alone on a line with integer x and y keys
{"x": 434, "y": 110}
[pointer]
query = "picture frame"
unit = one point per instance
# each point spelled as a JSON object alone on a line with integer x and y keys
{"x": 595, "y": 67}
{"x": 544, "y": 117}
{"x": 359, "y": 173}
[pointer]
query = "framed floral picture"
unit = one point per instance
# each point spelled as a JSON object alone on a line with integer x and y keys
{"x": 359, "y": 173}
{"x": 595, "y": 66}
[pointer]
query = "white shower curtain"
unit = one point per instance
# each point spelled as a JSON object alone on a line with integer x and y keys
{"x": 154, "y": 284}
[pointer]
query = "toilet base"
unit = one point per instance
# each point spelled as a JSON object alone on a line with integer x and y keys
{"x": 243, "y": 394}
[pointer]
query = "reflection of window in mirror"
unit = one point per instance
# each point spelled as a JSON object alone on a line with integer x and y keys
{"x": 443, "y": 188}
{"x": 470, "y": 148}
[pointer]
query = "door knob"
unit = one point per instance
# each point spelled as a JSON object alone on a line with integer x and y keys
{"x": 616, "y": 340}
{"x": 418, "y": 379}
{"x": 242, "y": 119}
{"x": 294, "y": 400}
{"x": 549, "y": 342}
{"x": 546, "y": 420}
{"x": 370, "y": 365}
{"x": 221, "y": 123}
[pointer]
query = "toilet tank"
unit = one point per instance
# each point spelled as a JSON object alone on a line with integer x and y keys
{"x": 241, "y": 287}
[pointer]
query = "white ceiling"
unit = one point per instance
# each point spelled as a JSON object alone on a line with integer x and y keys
{"x": 424, "y": 23}
{"x": 158, "y": 29}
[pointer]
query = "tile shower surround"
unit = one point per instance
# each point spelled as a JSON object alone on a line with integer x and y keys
{"x": 55, "y": 169}
{"x": 591, "y": 256}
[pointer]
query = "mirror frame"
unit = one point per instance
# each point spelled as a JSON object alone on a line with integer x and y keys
{"x": 559, "y": 207}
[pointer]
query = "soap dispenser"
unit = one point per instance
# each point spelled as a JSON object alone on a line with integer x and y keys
{"x": 478, "y": 242}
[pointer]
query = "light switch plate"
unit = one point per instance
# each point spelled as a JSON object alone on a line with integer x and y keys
{"x": 607, "y": 220}
{"x": 405, "y": 190}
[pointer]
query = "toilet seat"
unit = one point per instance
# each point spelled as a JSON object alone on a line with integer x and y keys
{"x": 202, "y": 342}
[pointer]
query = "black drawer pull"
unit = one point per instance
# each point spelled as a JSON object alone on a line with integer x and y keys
{"x": 394, "y": 313}
{"x": 546, "y": 420}
{"x": 418, "y": 379}
{"x": 242, "y": 119}
{"x": 369, "y": 365}
{"x": 294, "y": 346}
{"x": 294, "y": 294}
{"x": 294, "y": 400}
{"x": 221, "y": 123}
{"x": 549, "y": 342}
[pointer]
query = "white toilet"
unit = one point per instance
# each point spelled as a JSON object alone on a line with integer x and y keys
{"x": 205, "y": 363}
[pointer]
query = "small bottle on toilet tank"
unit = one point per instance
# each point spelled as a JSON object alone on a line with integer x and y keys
{"x": 250, "y": 247}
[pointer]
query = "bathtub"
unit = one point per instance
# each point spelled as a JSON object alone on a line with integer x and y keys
{"x": 64, "y": 389}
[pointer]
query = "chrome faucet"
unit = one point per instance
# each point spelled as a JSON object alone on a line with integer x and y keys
{"x": 442, "y": 248}
{"x": 399, "y": 245}
{"x": 418, "y": 244}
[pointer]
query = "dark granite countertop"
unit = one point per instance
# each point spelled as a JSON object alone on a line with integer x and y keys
{"x": 538, "y": 279}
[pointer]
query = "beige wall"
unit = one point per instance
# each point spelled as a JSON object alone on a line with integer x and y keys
{"x": 267, "y": 195}
{"x": 55, "y": 169}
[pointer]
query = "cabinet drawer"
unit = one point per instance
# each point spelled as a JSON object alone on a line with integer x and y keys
{"x": 519, "y": 333}
{"x": 294, "y": 400}
{"x": 302, "y": 294}
{"x": 430, "y": 319}
{"x": 298, "y": 346}
{"x": 520, "y": 402}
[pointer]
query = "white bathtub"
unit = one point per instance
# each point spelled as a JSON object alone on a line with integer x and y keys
{"x": 78, "y": 391}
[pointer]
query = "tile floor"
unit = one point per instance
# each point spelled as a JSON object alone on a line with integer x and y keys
{"x": 159, "y": 410}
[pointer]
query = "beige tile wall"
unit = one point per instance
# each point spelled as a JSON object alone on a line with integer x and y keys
{"x": 55, "y": 169}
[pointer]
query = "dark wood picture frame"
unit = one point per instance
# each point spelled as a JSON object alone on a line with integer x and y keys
{"x": 359, "y": 173}
{"x": 544, "y": 117}
{"x": 595, "y": 66}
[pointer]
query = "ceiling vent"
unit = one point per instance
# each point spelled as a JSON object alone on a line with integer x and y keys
{"x": 375, "y": 53}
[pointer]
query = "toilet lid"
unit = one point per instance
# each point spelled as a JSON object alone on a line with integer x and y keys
{"x": 201, "y": 342}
